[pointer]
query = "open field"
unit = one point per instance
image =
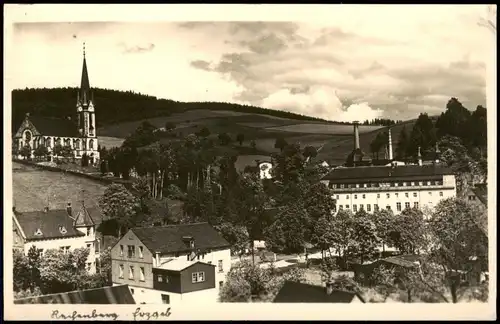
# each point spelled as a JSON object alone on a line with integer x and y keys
{"x": 336, "y": 140}
{"x": 33, "y": 188}
{"x": 109, "y": 142}
{"x": 314, "y": 128}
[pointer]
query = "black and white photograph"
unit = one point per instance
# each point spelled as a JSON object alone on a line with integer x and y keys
{"x": 170, "y": 164}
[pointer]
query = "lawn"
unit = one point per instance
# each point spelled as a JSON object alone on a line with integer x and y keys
{"x": 33, "y": 188}
{"x": 314, "y": 128}
{"x": 109, "y": 142}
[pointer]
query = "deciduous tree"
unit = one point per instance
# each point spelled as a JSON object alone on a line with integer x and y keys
{"x": 118, "y": 204}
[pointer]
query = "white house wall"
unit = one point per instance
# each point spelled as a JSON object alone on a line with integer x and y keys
{"x": 72, "y": 242}
{"x": 153, "y": 296}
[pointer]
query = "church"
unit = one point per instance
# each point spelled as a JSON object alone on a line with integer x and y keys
{"x": 80, "y": 134}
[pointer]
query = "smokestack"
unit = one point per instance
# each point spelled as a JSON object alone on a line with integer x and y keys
{"x": 356, "y": 135}
{"x": 419, "y": 157}
{"x": 390, "y": 145}
{"x": 68, "y": 209}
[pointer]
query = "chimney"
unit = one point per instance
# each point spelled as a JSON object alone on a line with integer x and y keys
{"x": 329, "y": 288}
{"x": 390, "y": 145}
{"x": 356, "y": 134}
{"x": 68, "y": 209}
{"x": 157, "y": 258}
{"x": 419, "y": 156}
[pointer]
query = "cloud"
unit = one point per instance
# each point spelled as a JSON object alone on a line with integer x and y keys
{"x": 375, "y": 61}
{"x": 320, "y": 101}
{"x": 202, "y": 65}
{"x": 137, "y": 48}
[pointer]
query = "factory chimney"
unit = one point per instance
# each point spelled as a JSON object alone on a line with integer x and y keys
{"x": 356, "y": 135}
{"x": 390, "y": 145}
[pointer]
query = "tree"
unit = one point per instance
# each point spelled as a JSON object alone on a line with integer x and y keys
{"x": 22, "y": 275}
{"x": 118, "y": 204}
{"x": 57, "y": 151}
{"x": 458, "y": 237}
{"x": 290, "y": 232}
{"x": 67, "y": 152}
{"x": 34, "y": 261}
{"x": 384, "y": 223}
{"x": 409, "y": 234}
{"x": 318, "y": 201}
{"x": 240, "y": 138}
{"x": 85, "y": 160}
{"x": 322, "y": 234}
{"x": 169, "y": 126}
{"x": 25, "y": 152}
{"x": 344, "y": 238}
{"x": 310, "y": 152}
{"x": 204, "y": 132}
{"x": 236, "y": 235}
{"x": 289, "y": 164}
{"x": 280, "y": 143}
{"x": 104, "y": 167}
{"x": 403, "y": 142}
{"x": 365, "y": 235}
{"x": 41, "y": 151}
{"x": 62, "y": 271}
{"x": 224, "y": 139}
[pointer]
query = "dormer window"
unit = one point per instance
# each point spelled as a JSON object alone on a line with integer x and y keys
{"x": 63, "y": 230}
{"x": 38, "y": 232}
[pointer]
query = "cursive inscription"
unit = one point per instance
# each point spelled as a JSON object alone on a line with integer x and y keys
{"x": 139, "y": 315}
{"x": 76, "y": 315}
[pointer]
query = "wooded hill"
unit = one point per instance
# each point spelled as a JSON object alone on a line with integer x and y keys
{"x": 114, "y": 106}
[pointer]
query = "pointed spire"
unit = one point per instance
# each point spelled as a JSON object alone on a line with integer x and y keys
{"x": 85, "y": 84}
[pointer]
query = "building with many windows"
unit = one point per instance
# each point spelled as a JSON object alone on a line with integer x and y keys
{"x": 56, "y": 229}
{"x": 395, "y": 188}
{"x": 172, "y": 264}
{"x": 79, "y": 135}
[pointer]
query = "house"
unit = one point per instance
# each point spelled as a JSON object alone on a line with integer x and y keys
{"x": 296, "y": 292}
{"x": 79, "y": 135}
{"x": 172, "y": 264}
{"x": 105, "y": 295}
{"x": 362, "y": 272}
{"x": 56, "y": 229}
{"x": 477, "y": 195}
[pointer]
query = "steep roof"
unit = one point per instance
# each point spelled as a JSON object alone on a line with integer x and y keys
{"x": 105, "y": 295}
{"x": 168, "y": 239}
{"x": 296, "y": 292}
{"x": 82, "y": 218}
{"x": 381, "y": 173}
{"x": 481, "y": 192}
{"x": 48, "y": 223}
{"x": 50, "y": 126}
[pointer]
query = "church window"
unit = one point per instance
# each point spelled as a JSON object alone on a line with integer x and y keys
{"x": 91, "y": 144}
{"x": 77, "y": 144}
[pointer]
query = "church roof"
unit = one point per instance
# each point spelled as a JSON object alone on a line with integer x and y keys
{"x": 83, "y": 218}
{"x": 50, "y": 126}
{"x": 38, "y": 225}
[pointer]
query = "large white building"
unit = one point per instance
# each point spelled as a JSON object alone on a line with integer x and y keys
{"x": 80, "y": 134}
{"x": 172, "y": 264}
{"x": 56, "y": 229}
{"x": 393, "y": 186}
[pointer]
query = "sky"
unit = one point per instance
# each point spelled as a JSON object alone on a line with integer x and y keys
{"x": 363, "y": 63}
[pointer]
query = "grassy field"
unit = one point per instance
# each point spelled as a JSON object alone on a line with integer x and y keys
{"x": 336, "y": 140}
{"x": 33, "y": 188}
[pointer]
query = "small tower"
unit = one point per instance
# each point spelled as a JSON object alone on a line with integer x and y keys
{"x": 419, "y": 157}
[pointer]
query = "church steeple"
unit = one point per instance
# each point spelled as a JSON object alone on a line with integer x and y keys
{"x": 84, "y": 93}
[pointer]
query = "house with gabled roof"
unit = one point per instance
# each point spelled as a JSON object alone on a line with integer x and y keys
{"x": 56, "y": 229}
{"x": 172, "y": 264}
{"x": 297, "y": 292}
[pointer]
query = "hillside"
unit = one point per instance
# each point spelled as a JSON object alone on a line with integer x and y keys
{"x": 120, "y": 113}
{"x": 119, "y": 106}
